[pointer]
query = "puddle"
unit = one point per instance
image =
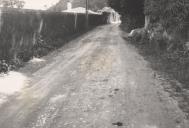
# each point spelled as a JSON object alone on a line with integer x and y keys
{"x": 12, "y": 82}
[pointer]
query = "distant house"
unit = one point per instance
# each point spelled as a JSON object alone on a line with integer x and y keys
{"x": 69, "y": 5}
{"x": 114, "y": 17}
{"x": 77, "y": 10}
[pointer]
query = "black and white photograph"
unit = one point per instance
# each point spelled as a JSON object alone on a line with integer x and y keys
{"x": 94, "y": 63}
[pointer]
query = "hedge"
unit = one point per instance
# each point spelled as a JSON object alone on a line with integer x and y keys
{"x": 23, "y": 32}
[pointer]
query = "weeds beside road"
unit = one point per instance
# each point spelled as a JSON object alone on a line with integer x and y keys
{"x": 173, "y": 64}
{"x": 98, "y": 80}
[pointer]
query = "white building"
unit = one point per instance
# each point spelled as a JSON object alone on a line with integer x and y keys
{"x": 69, "y": 5}
{"x": 114, "y": 17}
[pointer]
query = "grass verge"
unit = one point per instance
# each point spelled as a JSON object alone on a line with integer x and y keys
{"x": 172, "y": 66}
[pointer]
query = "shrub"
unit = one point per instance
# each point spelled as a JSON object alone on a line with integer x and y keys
{"x": 131, "y": 12}
{"x": 28, "y": 33}
{"x": 3, "y": 66}
{"x": 172, "y": 14}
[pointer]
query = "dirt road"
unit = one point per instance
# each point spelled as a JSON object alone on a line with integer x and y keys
{"x": 96, "y": 81}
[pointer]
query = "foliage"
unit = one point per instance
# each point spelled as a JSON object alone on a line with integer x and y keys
{"x": 131, "y": 12}
{"x": 172, "y": 14}
{"x": 12, "y": 3}
{"x": 93, "y": 4}
{"x": 3, "y": 66}
{"x": 115, "y": 4}
{"x": 128, "y": 7}
{"x": 28, "y": 33}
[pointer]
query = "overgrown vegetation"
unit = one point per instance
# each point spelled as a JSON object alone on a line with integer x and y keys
{"x": 27, "y": 33}
{"x": 166, "y": 33}
{"x": 172, "y": 14}
{"x": 173, "y": 67}
{"x": 93, "y": 4}
{"x": 12, "y": 3}
{"x": 131, "y": 12}
{"x": 164, "y": 41}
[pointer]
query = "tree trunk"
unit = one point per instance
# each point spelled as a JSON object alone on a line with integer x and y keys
{"x": 147, "y": 22}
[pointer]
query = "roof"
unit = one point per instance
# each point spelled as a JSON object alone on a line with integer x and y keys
{"x": 79, "y": 10}
{"x": 108, "y": 9}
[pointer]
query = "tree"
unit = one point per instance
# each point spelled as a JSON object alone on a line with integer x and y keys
{"x": 12, "y": 3}
{"x": 172, "y": 14}
{"x": 116, "y": 5}
{"x": 128, "y": 7}
{"x": 131, "y": 11}
{"x": 93, "y": 4}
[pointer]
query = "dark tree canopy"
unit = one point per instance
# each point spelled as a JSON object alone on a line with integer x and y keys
{"x": 93, "y": 4}
{"x": 172, "y": 14}
{"x": 12, "y": 3}
{"x": 128, "y": 7}
{"x": 131, "y": 11}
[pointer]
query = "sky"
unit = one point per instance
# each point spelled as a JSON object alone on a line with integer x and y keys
{"x": 39, "y": 4}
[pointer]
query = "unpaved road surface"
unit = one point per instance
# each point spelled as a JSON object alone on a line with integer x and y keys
{"x": 96, "y": 81}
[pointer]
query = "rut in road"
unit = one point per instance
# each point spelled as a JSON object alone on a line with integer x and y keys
{"x": 96, "y": 81}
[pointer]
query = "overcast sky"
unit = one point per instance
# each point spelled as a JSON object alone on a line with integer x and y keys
{"x": 39, "y": 4}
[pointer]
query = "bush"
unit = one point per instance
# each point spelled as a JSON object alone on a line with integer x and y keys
{"x": 172, "y": 14}
{"x": 28, "y": 33}
{"x": 3, "y": 66}
{"x": 131, "y": 12}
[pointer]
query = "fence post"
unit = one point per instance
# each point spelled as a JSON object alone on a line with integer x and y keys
{"x": 87, "y": 14}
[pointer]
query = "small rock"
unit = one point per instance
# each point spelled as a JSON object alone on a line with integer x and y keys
{"x": 102, "y": 98}
{"x": 116, "y": 90}
{"x": 118, "y": 124}
{"x": 110, "y": 95}
{"x": 178, "y": 120}
{"x": 105, "y": 80}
